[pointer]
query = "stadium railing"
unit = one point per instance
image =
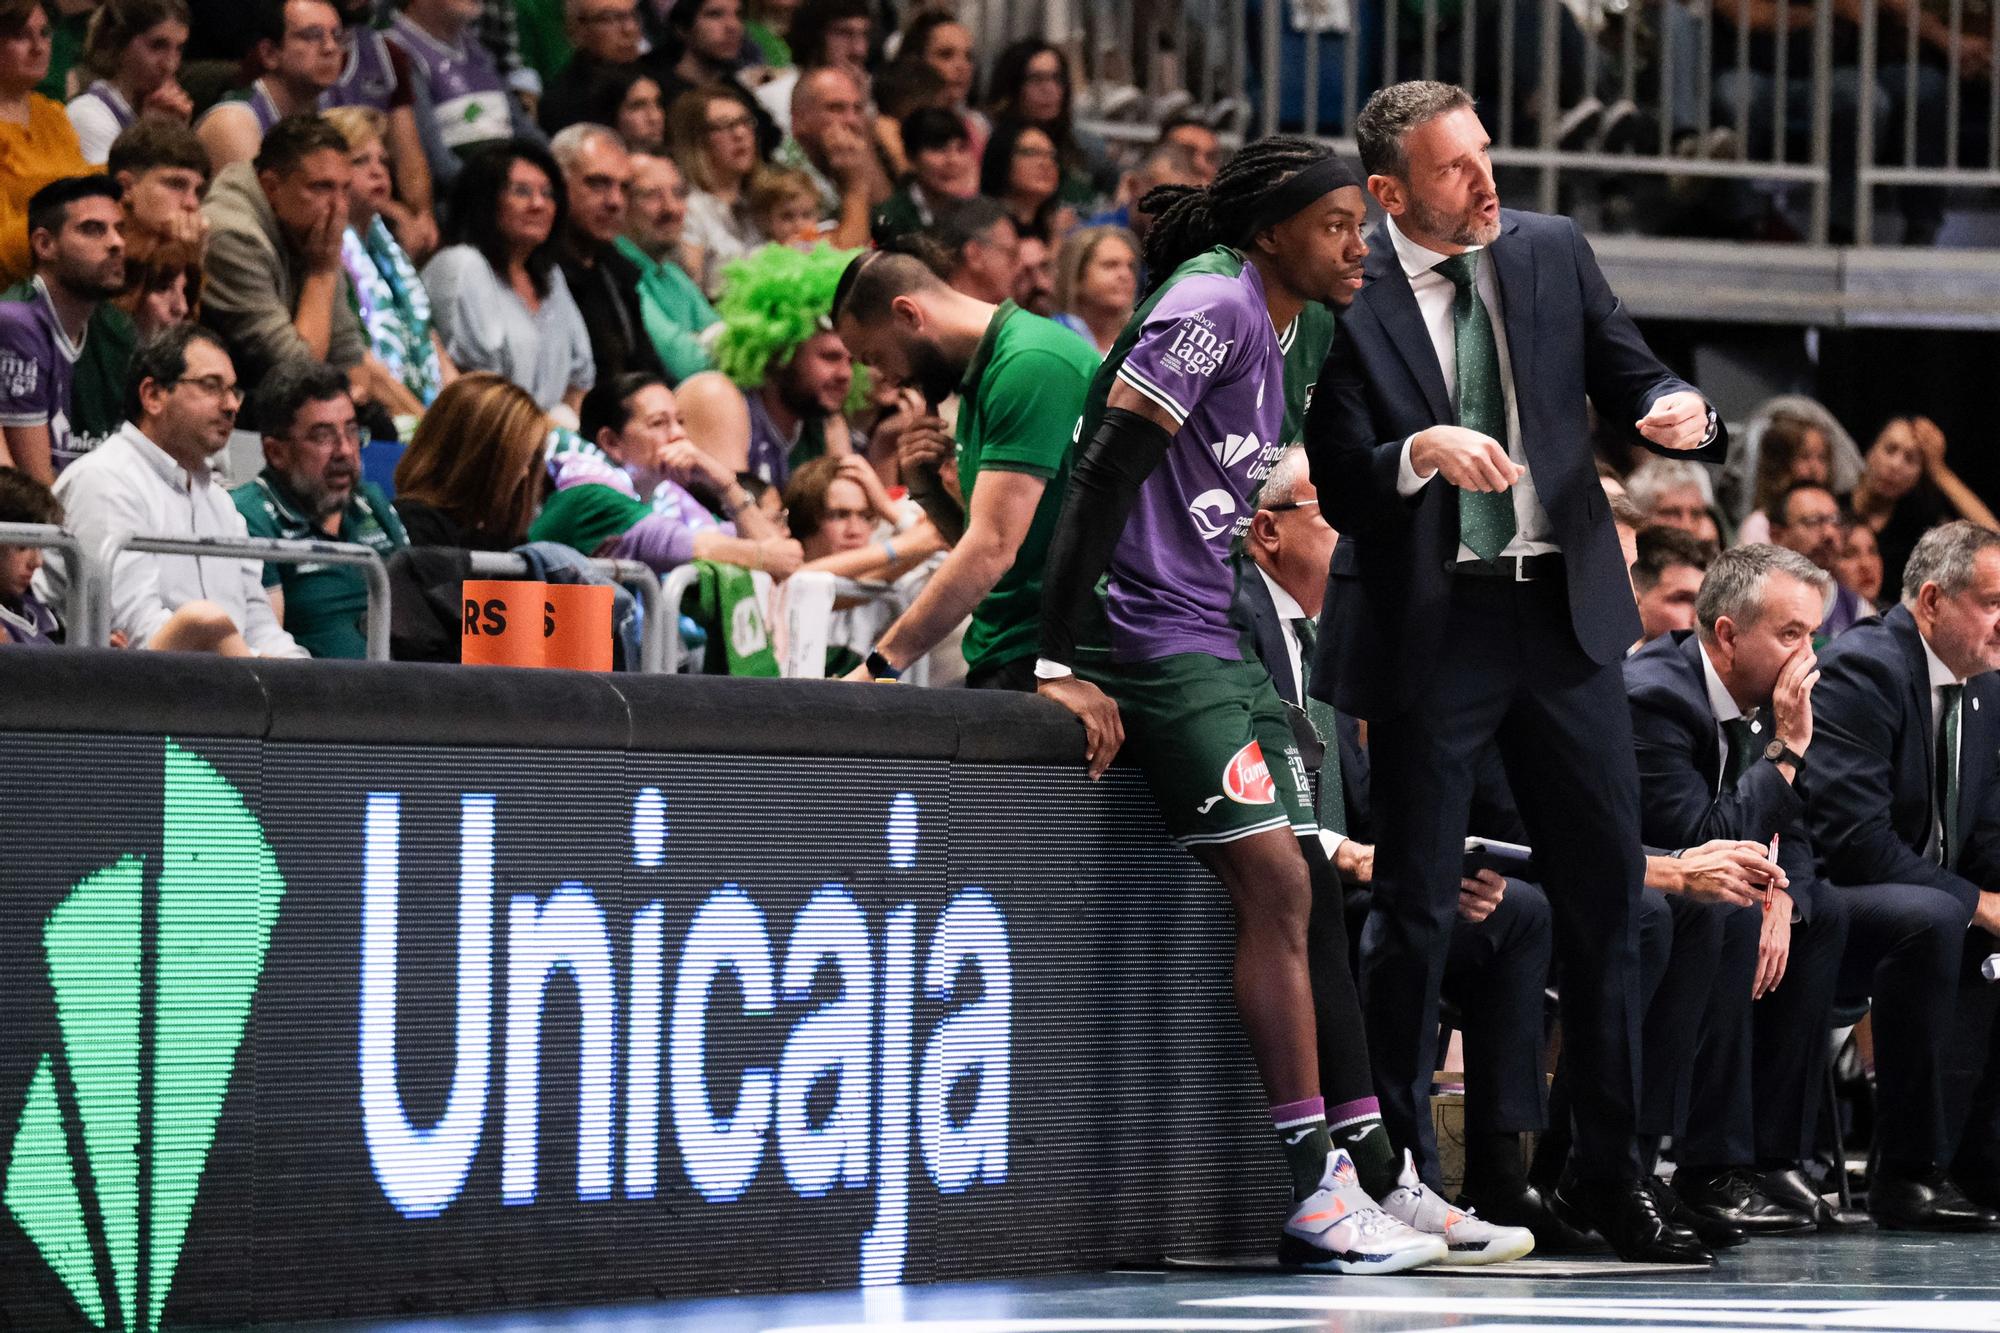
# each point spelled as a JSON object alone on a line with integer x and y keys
{"x": 659, "y": 627}
{"x": 680, "y": 582}
{"x": 49, "y": 537}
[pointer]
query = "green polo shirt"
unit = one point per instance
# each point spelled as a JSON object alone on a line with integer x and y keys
{"x": 1019, "y": 406}
{"x": 324, "y": 604}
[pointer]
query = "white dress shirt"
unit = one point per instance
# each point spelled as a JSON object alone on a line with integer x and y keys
{"x": 1940, "y": 676}
{"x": 1723, "y": 704}
{"x": 129, "y": 484}
{"x": 1436, "y": 295}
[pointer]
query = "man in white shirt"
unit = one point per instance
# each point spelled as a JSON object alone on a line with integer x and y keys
{"x": 153, "y": 478}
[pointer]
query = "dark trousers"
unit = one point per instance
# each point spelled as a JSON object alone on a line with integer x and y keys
{"x": 1512, "y": 673}
{"x": 1673, "y": 1024}
{"x": 1972, "y": 1069}
{"x": 1905, "y": 946}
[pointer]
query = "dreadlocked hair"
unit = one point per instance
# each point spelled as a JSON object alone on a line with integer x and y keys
{"x": 1188, "y": 220}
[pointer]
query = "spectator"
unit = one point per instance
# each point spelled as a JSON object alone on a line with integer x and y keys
{"x": 1671, "y": 492}
{"x": 1035, "y": 283}
{"x": 459, "y": 95}
{"x": 1907, "y": 488}
{"x": 378, "y": 76}
{"x": 406, "y": 363}
{"x": 714, "y": 139}
{"x": 133, "y": 48}
{"x": 154, "y": 476}
{"x": 779, "y": 348}
{"x": 1790, "y": 449}
{"x": 944, "y": 173}
{"x": 37, "y": 144}
{"x": 642, "y": 507}
{"x": 785, "y": 207}
{"x": 1859, "y": 568}
{"x": 597, "y": 174}
{"x": 976, "y": 248}
{"x": 1201, "y": 140}
{"x": 671, "y": 305}
{"x": 1806, "y": 518}
{"x": 627, "y": 98}
{"x": 311, "y": 489}
{"x": 1019, "y": 169}
{"x": 275, "y": 289}
{"x": 1666, "y": 577}
{"x": 1022, "y": 386}
{"x": 705, "y": 47}
{"x": 297, "y": 56}
{"x": 837, "y": 34}
{"x": 830, "y": 143}
{"x": 162, "y": 170}
{"x": 1789, "y": 414}
{"x": 837, "y": 508}
{"x": 1031, "y": 83}
{"x": 901, "y": 88}
{"x": 606, "y": 35}
{"x": 473, "y": 475}
{"x": 1097, "y": 284}
{"x": 75, "y": 237}
{"x": 499, "y": 298}
{"x": 163, "y": 282}
{"x": 1165, "y": 163}
{"x": 25, "y": 620}
{"x": 936, "y": 38}
{"x": 766, "y": 26}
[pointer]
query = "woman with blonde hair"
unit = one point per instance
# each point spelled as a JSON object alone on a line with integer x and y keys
{"x": 406, "y": 364}
{"x": 474, "y": 473}
{"x": 133, "y": 48}
{"x": 713, "y": 134}
{"x": 1097, "y": 284}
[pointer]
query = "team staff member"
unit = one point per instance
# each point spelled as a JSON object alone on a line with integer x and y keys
{"x": 1021, "y": 381}
{"x": 1478, "y": 594}
{"x": 1182, "y": 424}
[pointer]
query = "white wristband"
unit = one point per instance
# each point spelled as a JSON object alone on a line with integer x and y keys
{"x": 1047, "y": 670}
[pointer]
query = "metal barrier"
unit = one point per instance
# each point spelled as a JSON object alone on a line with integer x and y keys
{"x": 100, "y": 565}
{"x": 682, "y": 580}
{"x": 1925, "y": 88}
{"x": 49, "y": 537}
{"x": 657, "y": 632}
{"x": 1673, "y": 88}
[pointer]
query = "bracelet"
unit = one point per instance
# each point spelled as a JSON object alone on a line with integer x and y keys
{"x": 889, "y": 549}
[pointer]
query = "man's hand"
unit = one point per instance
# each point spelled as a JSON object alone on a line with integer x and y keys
{"x": 1103, "y": 732}
{"x": 1354, "y": 861}
{"x": 848, "y": 156}
{"x": 417, "y": 232}
{"x": 1480, "y": 895}
{"x": 855, "y": 468}
{"x": 322, "y": 243}
{"x": 780, "y": 557}
{"x": 1676, "y": 421}
{"x": 1468, "y": 460}
{"x": 1734, "y": 874}
{"x": 1774, "y": 944}
{"x": 1987, "y": 915}
{"x": 189, "y": 228}
{"x": 1791, "y": 700}
{"x": 925, "y": 445}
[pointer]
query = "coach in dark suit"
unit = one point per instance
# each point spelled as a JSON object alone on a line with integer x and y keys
{"x": 1722, "y": 717}
{"x": 1479, "y": 594}
{"x": 1903, "y": 798}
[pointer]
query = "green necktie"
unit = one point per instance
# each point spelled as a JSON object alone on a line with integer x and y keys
{"x": 1743, "y": 749}
{"x": 1332, "y": 810}
{"x": 1950, "y": 699}
{"x": 1485, "y": 518}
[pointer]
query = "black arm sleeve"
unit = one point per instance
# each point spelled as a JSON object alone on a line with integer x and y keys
{"x": 1102, "y": 487}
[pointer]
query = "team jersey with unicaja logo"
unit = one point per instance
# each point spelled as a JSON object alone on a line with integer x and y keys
{"x": 1203, "y": 350}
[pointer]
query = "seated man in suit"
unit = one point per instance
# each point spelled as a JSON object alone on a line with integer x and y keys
{"x": 1722, "y": 719}
{"x": 1904, "y": 809}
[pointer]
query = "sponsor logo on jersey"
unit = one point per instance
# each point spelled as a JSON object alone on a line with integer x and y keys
{"x": 1235, "y": 449}
{"x": 1212, "y": 511}
{"x": 18, "y": 374}
{"x": 1196, "y": 348}
{"x": 1246, "y": 779}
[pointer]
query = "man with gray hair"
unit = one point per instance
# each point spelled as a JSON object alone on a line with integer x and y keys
{"x": 1671, "y": 493}
{"x": 597, "y": 172}
{"x": 1903, "y": 800}
{"x": 1722, "y": 720}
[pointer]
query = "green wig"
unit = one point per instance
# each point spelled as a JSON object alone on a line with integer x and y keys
{"x": 773, "y": 300}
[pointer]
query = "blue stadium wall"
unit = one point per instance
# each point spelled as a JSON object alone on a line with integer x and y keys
{"x": 332, "y": 990}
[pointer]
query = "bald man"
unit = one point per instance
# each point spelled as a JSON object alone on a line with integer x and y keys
{"x": 830, "y": 144}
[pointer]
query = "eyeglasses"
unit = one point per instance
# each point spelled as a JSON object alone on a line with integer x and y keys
{"x": 332, "y": 437}
{"x": 531, "y": 194}
{"x": 1812, "y": 521}
{"x": 1034, "y": 153}
{"x": 316, "y": 36}
{"x": 213, "y": 385}
{"x": 733, "y": 124}
{"x": 1291, "y": 504}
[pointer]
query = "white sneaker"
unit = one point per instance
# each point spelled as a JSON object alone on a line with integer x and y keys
{"x": 1339, "y": 1229}
{"x": 1468, "y": 1239}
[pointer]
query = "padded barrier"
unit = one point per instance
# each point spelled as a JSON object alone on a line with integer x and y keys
{"x": 354, "y": 989}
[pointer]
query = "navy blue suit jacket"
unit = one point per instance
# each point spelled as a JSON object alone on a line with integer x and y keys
{"x": 1680, "y": 766}
{"x": 1571, "y": 345}
{"x": 1868, "y": 778}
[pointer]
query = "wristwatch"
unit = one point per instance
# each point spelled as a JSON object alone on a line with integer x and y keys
{"x": 878, "y": 666}
{"x": 1780, "y": 753}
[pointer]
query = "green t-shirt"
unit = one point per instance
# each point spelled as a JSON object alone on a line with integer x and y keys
{"x": 97, "y": 381}
{"x": 1306, "y": 344}
{"x": 324, "y": 604}
{"x": 1020, "y": 402}
{"x": 585, "y": 517}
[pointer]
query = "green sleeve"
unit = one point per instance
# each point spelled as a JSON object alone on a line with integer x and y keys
{"x": 249, "y": 499}
{"x": 1029, "y": 406}
{"x": 585, "y": 517}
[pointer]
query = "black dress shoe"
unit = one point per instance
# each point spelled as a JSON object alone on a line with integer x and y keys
{"x": 1925, "y": 1201}
{"x": 1732, "y": 1196}
{"x": 1714, "y": 1232}
{"x": 1627, "y": 1215}
{"x": 1791, "y": 1188}
{"x": 1524, "y": 1206}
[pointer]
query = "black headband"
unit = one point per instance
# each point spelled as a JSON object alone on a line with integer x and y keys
{"x": 1303, "y": 187}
